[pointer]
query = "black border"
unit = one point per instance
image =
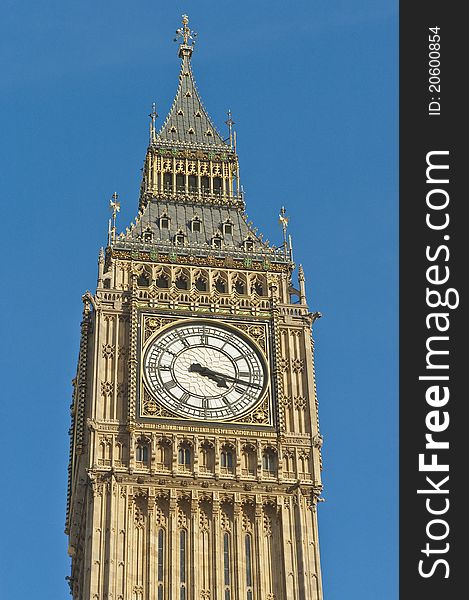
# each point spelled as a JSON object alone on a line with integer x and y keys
{"x": 420, "y": 133}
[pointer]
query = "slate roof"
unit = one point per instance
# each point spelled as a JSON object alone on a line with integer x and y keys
{"x": 181, "y": 215}
{"x": 188, "y": 121}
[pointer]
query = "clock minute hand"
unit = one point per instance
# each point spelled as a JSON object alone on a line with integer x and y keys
{"x": 235, "y": 380}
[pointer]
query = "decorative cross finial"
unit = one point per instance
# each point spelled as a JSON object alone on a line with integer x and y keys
{"x": 185, "y": 32}
{"x": 283, "y": 220}
{"x": 114, "y": 203}
{"x": 115, "y": 206}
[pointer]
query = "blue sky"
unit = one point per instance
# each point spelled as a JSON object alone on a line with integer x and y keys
{"x": 313, "y": 90}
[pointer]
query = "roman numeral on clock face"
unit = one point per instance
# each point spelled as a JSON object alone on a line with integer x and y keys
{"x": 227, "y": 402}
{"x": 169, "y": 384}
{"x": 183, "y": 340}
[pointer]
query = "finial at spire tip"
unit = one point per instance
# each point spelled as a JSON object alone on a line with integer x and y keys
{"x": 188, "y": 37}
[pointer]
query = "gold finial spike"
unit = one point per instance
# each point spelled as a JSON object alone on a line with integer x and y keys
{"x": 283, "y": 220}
{"x": 115, "y": 206}
{"x": 188, "y": 37}
{"x": 186, "y": 30}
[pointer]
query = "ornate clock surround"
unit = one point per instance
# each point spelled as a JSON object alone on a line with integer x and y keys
{"x": 258, "y": 332}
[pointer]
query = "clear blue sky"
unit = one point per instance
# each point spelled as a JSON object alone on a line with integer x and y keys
{"x": 313, "y": 90}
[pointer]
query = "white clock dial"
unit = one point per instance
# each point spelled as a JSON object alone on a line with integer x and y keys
{"x": 205, "y": 371}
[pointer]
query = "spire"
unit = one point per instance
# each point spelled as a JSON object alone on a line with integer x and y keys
{"x": 188, "y": 123}
{"x": 191, "y": 199}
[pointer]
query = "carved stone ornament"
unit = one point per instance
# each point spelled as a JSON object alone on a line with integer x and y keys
{"x": 260, "y": 415}
{"x": 107, "y": 388}
{"x": 297, "y": 365}
{"x": 108, "y": 351}
{"x": 318, "y": 441}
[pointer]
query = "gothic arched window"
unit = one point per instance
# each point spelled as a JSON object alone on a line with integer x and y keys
{"x": 163, "y": 455}
{"x": 192, "y": 181}
{"x": 249, "y": 461}
{"x": 148, "y": 236}
{"x": 205, "y": 184}
{"x": 239, "y": 286}
{"x": 228, "y": 227}
{"x": 141, "y": 452}
{"x": 216, "y": 241}
{"x": 162, "y": 281}
{"x": 181, "y": 282}
{"x": 184, "y": 457}
{"x": 201, "y": 284}
{"x": 143, "y": 279}
{"x": 179, "y": 238}
{"x": 226, "y": 460}
{"x": 164, "y": 220}
{"x": 180, "y": 183}
{"x": 206, "y": 458}
{"x": 257, "y": 286}
{"x": 196, "y": 225}
{"x": 168, "y": 182}
{"x": 248, "y": 245}
{"x": 269, "y": 462}
{"x": 217, "y": 185}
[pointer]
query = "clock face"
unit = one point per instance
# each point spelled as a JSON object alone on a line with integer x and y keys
{"x": 202, "y": 370}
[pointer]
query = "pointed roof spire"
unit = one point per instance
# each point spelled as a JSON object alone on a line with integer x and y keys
{"x": 188, "y": 122}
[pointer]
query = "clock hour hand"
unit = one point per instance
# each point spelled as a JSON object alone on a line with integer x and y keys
{"x": 218, "y": 378}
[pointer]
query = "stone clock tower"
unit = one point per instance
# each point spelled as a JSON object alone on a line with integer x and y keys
{"x": 195, "y": 466}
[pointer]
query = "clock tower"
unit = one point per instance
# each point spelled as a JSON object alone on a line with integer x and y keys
{"x": 195, "y": 455}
